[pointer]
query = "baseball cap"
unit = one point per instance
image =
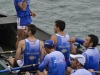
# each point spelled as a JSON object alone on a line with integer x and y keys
{"x": 79, "y": 57}
{"x": 48, "y": 43}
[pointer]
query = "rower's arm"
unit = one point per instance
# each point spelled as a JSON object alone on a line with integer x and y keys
{"x": 44, "y": 63}
{"x": 42, "y": 49}
{"x": 73, "y": 49}
{"x": 54, "y": 39}
{"x": 22, "y": 4}
{"x": 80, "y": 41}
{"x": 18, "y": 52}
{"x": 32, "y": 13}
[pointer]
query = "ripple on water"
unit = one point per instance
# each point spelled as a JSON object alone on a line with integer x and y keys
{"x": 81, "y": 16}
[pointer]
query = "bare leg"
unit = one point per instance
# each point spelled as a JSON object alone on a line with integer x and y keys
{"x": 41, "y": 73}
{"x": 20, "y": 36}
{"x": 27, "y": 73}
{"x": 11, "y": 61}
{"x": 45, "y": 72}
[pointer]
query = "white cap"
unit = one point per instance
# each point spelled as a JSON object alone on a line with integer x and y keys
{"x": 79, "y": 57}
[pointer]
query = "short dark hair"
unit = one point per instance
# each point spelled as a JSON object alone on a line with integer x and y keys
{"x": 61, "y": 24}
{"x": 94, "y": 39}
{"x": 51, "y": 47}
{"x": 32, "y": 28}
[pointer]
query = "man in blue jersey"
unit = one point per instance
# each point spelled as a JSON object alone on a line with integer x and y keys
{"x": 91, "y": 53}
{"x": 54, "y": 61}
{"x": 61, "y": 40}
{"x": 77, "y": 62}
{"x": 31, "y": 49}
{"x": 23, "y": 17}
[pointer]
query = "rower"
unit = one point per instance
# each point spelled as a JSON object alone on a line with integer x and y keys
{"x": 61, "y": 40}
{"x": 31, "y": 49}
{"x": 78, "y": 62}
{"x": 23, "y": 11}
{"x": 54, "y": 61}
{"x": 91, "y": 53}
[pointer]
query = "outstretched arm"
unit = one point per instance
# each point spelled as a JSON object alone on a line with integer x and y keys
{"x": 44, "y": 63}
{"x": 80, "y": 41}
{"x": 72, "y": 40}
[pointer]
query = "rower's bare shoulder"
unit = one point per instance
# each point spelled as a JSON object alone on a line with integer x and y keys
{"x": 41, "y": 43}
{"x": 53, "y": 36}
{"x": 22, "y": 42}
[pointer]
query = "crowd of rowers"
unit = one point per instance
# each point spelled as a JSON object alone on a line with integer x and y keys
{"x": 57, "y": 55}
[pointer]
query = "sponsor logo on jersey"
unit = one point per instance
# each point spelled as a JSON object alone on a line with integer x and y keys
{"x": 32, "y": 57}
{"x": 58, "y": 61}
{"x": 64, "y": 51}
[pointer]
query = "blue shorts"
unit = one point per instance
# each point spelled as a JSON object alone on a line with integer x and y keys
{"x": 23, "y": 21}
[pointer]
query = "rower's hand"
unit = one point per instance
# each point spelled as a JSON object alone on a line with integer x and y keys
{"x": 72, "y": 40}
{"x": 33, "y": 14}
{"x": 90, "y": 70}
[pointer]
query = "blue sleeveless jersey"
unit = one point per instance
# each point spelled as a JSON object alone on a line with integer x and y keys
{"x": 31, "y": 53}
{"x": 63, "y": 46}
{"x": 24, "y": 15}
{"x": 92, "y": 59}
{"x": 55, "y": 62}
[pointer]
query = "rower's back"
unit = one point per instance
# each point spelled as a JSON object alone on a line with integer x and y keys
{"x": 92, "y": 59}
{"x": 63, "y": 46}
{"x": 57, "y": 64}
{"x": 31, "y": 48}
{"x": 31, "y": 53}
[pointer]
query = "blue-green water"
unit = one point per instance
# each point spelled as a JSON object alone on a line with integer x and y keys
{"x": 82, "y": 17}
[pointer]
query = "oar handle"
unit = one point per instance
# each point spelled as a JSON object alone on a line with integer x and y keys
{"x": 32, "y": 65}
{"x": 18, "y": 68}
{"x": 7, "y": 52}
{"x": 7, "y": 70}
{"x": 97, "y": 71}
{"x": 99, "y": 44}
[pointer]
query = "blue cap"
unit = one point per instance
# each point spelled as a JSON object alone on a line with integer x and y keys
{"x": 48, "y": 43}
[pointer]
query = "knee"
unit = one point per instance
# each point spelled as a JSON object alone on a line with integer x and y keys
{"x": 10, "y": 58}
{"x": 27, "y": 73}
{"x": 39, "y": 73}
